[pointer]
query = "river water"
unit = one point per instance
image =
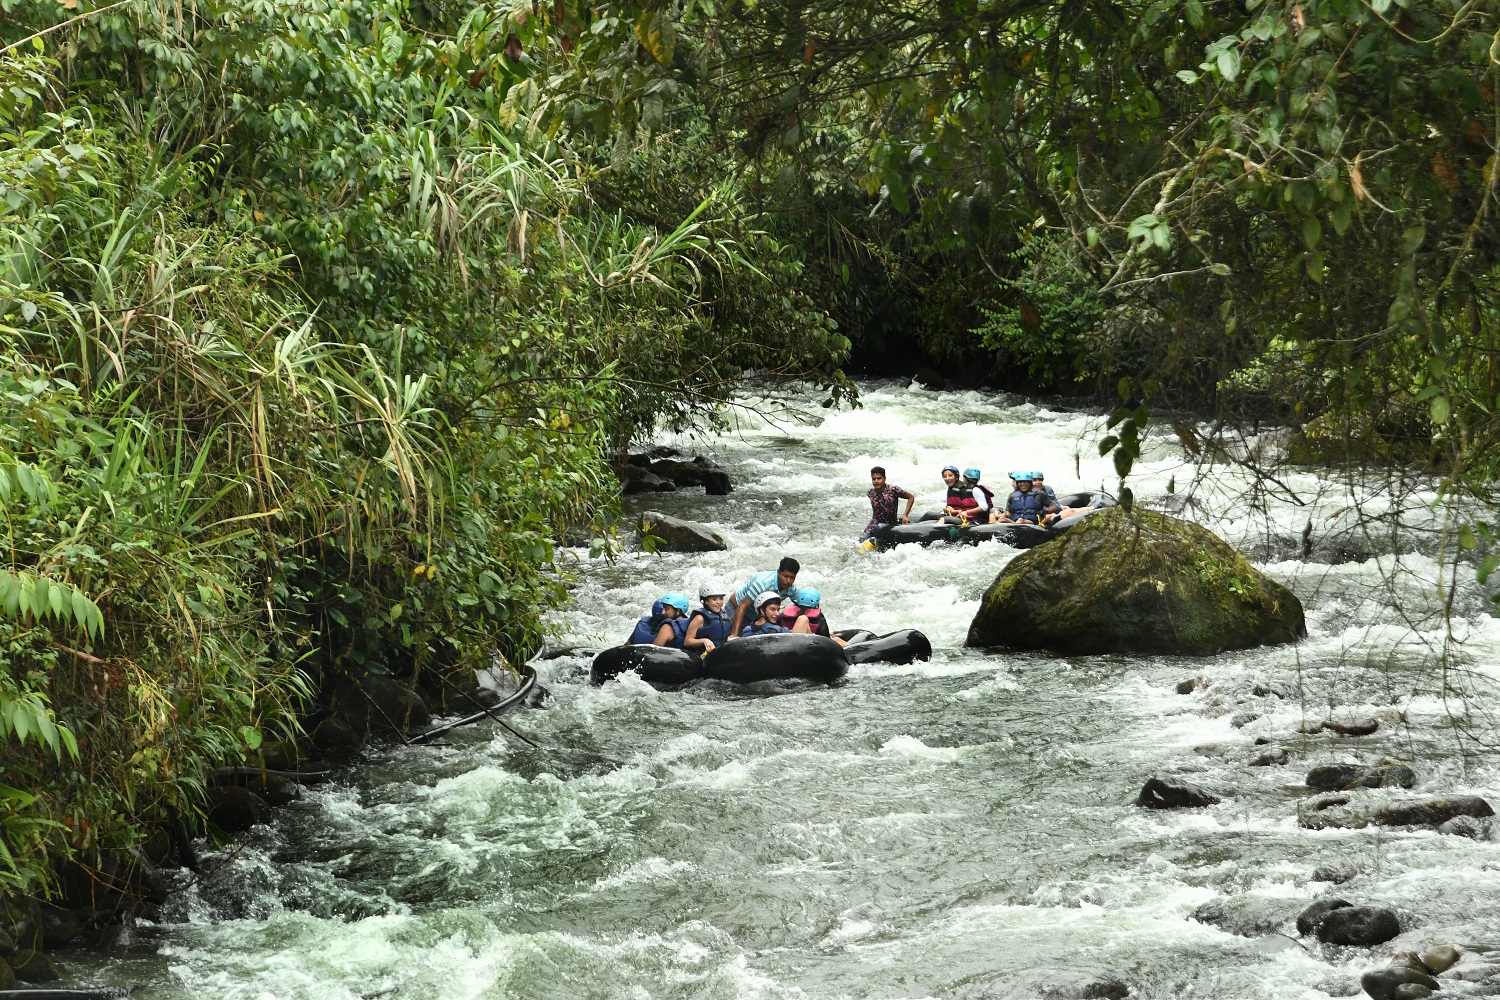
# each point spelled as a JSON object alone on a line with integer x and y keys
{"x": 917, "y": 831}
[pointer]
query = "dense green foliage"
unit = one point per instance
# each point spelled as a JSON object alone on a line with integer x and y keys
{"x": 322, "y": 320}
{"x": 310, "y": 354}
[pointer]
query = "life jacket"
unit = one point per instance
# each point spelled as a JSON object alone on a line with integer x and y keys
{"x": 1028, "y": 506}
{"x": 679, "y": 632}
{"x": 989, "y": 494}
{"x": 814, "y": 618}
{"x": 714, "y": 626}
{"x": 961, "y": 497}
{"x": 645, "y": 630}
{"x": 763, "y": 628}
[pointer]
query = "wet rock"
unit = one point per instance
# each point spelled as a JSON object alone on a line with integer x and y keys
{"x": 1171, "y": 793}
{"x": 1358, "y": 727}
{"x": 34, "y": 967}
{"x": 1247, "y": 915}
{"x": 1266, "y": 691}
{"x": 929, "y": 378}
{"x": 1188, "y": 686}
{"x": 643, "y": 481}
{"x": 698, "y": 472}
{"x": 1272, "y": 755}
{"x": 1135, "y": 582}
{"x": 1309, "y": 919}
{"x": 1333, "y": 874}
{"x": 1338, "y": 777}
{"x": 1359, "y": 925}
{"x": 1243, "y": 719}
{"x": 1381, "y": 984}
{"x": 1440, "y": 957}
{"x": 1077, "y": 984}
{"x": 1467, "y": 826}
{"x": 274, "y": 789}
{"x": 1411, "y": 991}
{"x": 1432, "y": 810}
{"x": 21, "y": 922}
{"x": 235, "y": 809}
{"x": 335, "y": 733}
{"x": 283, "y": 755}
{"x": 678, "y": 535}
{"x": 1310, "y": 728}
{"x": 1408, "y": 960}
{"x": 59, "y": 926}
{"x": 382, "y": 705}
{"x": 1339, "y": 988}
{"x": 1213, "y": 750}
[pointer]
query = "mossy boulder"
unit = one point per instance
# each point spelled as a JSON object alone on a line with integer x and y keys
{"x": 1135, "y": 582}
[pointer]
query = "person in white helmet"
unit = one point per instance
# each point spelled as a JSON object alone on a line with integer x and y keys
{"x": 709, "y": 626}
{"x": 767, "y": 611}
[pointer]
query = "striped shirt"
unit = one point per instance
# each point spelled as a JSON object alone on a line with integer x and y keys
{"x": 755, "y": 586}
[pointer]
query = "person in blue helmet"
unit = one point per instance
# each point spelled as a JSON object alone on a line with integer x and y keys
{"x": 804, "y": 614}
{"x": 960, "y": 501}
{"x": 984, "y": 497}
{"x": 665, "y": 625}
{"x": 1038, "y": 483}
{"x": 767, "y": 613}
{"x": 709, "y": 625}
{"x": 1026, "y": 504}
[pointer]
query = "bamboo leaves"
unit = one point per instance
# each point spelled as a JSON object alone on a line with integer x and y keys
{"x": 27, "y": 596}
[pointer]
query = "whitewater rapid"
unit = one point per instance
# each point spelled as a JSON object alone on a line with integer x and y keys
{"x": 917, "y": 831}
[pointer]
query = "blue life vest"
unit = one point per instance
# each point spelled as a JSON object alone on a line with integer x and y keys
{"x": 1028, "y": 506}
{"x": 645, "y": 630}
{"x": 679, "y": 632}
{"x": 714, "y": 627}
{"x": 764, "y": 628}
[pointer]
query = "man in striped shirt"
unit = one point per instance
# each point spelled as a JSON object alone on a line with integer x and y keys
{"x": 782, "y": 581}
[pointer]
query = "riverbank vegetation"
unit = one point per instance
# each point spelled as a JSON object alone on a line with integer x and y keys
{"x": 322, "y": 320}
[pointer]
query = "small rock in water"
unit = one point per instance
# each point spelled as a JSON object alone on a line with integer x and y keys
{"x": 1272, "y": 755}
{"x": 34, "y": 967}
{"x": 1466, "y": 826}
{"x": 1411, "y": 991}
{"x": 1243, "y": 719}
{"x": 1381, "y": 984}
{"x": 1408, "y": 960}
{"x": 1311, "y": 728}
{"x": 1432, "y": 810}
{"x": 1440, "y": 957}
{"x": 1333, "y": 874}
{"x": 1265, "y": 691}
{"x": 235, "y": 809}
{"x": 1337, "y": 777}
{"x": 1358, "y": 727}
{"x": 1309, "y": 919}
{"x": 1359, "y": 925}
{"x": 1169, "y": 793}
{"x": 1247, "y": 915}
{"x": 1188, "y": 686}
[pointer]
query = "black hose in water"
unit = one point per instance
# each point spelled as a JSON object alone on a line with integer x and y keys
{"x": 528, "y": 682}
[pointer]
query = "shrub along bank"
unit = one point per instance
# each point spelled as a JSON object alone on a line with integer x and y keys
{"x": 308, "y": 356}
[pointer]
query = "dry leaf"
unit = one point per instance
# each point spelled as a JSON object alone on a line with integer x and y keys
{"x": 1357, "y": 178}
{"x": 1299, "y": 19}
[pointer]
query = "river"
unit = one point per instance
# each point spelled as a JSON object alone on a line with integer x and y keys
{"x": 914, "y": 832}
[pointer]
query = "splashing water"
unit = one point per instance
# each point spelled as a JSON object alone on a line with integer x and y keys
{"x": 914, "y": 832}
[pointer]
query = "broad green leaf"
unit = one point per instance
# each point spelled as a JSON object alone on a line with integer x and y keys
{"x": 655, "y": 33}
{"x": 1341, "y": 216}
{"x": 1195, "y": 13}
{"x": 1466, "y": 537}
{"x": 1440, "y": 410}
{"x": 1229, "y": 64}
{"x": 1412, "y": 237}
{"x": 1312, "y": 231}
{"x": 1487, "y": 568}
{"x": 251, "y": 736}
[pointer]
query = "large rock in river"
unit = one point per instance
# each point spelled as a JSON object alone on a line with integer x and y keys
{"x": 1135, "y": 581}
{"x": 677, "y": 535}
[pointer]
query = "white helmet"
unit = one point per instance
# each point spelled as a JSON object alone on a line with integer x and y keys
{"x": 711, "y": 589}
{"x": 766, "y": 598}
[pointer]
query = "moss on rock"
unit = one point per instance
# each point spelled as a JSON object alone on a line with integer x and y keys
{"x": 1135, "y": 582}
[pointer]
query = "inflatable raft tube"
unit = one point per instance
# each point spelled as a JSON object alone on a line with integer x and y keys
{"x": 921, "y": 532}
{"x": 655, "y": 664}
{"x": 1021, "y": 536}
{"x": 1086, "y": 499}
{"x": 854, "y": 634}
{"x": 894, "y": 647}
{"x": 779, "y": 657}
{"x": 1062, "y": 525}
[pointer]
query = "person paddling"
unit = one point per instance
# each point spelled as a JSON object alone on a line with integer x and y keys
{"x": 768, "y": 610}
{"x": 884, "y": 499}
{"x": 781, "y": 582}
{"x": 665, "y": 625}
{"x": 709, "y": 625}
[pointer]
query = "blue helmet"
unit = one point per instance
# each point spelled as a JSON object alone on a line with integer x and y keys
{"x": 807, "y": 597}
{"x": 971, "y": 474}
{"x": 1022, "y": 477}
{"x": 678, "y": 601}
